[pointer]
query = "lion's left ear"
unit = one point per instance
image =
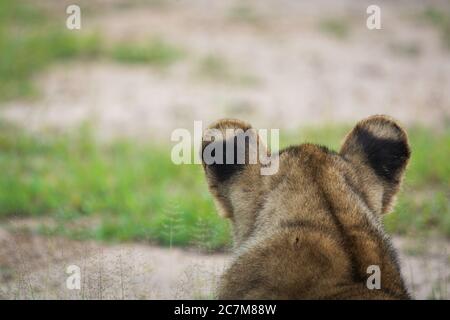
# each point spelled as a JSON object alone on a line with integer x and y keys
{"x": 379, "y": 147}
{"x": 230, "y": 158}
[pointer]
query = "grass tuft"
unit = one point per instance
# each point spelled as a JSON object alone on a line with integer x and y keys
{"x": 335, "y": 27}
{"x": 156, "y": 52}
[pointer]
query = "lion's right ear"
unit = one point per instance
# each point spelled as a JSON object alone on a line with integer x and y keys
{"x": 379, "y": 147}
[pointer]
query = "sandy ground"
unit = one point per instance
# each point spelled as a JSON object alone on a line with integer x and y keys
{"x": 282, "y": 71}
{"x": 35, "y": 267}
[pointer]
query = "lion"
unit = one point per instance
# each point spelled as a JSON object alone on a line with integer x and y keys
{"x": 313, "y": 229}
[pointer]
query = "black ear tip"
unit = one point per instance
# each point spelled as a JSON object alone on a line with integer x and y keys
{"x": 221, "y": 126}
{"x": 381, "y": 142}
{"x": 385, "y": 145}
{"x": 221, "y": 168}
{"x": 220, "y": 153}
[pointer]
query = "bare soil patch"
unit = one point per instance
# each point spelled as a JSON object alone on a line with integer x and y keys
{"x": 34, "y": 267}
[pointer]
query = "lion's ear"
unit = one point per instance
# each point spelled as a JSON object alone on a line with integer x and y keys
{"x": 379, "y": 147}
{"x": 228, "y": 147}
{"x": 230, "y": 154}
{"x": 220, "y": 149}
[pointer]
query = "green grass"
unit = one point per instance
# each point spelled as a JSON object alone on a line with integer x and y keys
{"x": 31, "y": 39}
{"x": 156, "y": 52}
{"x": 338, "y": 28}
{"x": 424, "y": 203}
{"x": 122, "y": 191}
{"x": 125, "y": 191}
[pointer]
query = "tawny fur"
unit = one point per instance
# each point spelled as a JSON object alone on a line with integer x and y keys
{"x": 311, "y": 230}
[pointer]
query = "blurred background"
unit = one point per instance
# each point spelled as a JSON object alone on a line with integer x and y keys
{"x": 86, "y": 116}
